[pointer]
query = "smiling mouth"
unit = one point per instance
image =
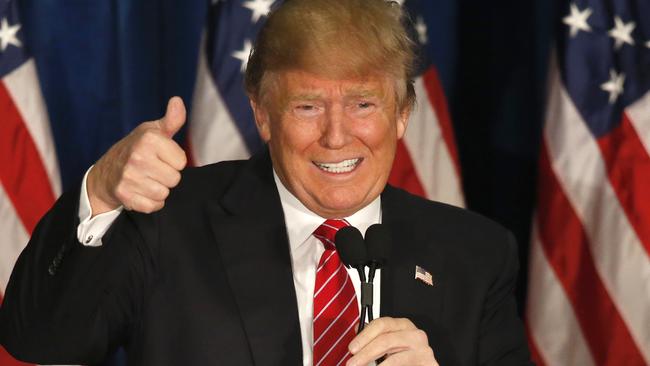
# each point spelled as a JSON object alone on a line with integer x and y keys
{"x": 344, "y": 166}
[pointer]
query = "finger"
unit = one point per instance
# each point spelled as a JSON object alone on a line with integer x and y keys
{"x": 150, "y": 189}
{"x": 174, "y": 117}
{"x": 143, "y": 204}
{"x": 163, "y": 173}
{"x": 377, "y": 327}
{"x": 390, "y": 343}
{"x": 414, "y": 357}
{"x": 171, "y": 153}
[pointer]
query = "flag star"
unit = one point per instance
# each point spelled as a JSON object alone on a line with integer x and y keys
{"x": 622, "y": 32}
{"x": 614, "y": 86}
{"x": 421, "y": 28}
{"x": 259, "y": 8}
{"x": 8, "y": 35}
{"x": 243, "y": 54}
{"x": 577, "y": 20}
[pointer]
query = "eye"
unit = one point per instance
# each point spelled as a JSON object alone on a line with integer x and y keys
{"x": 306, "y": 110}
{"x": 363, "y": 108}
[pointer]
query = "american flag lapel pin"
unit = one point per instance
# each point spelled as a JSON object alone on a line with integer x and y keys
{"x": 423, "y": 275}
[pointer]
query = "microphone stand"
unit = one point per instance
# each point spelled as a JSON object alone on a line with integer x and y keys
{"x": 361, "y": 269}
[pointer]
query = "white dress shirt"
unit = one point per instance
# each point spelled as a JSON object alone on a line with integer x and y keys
{"x": 305, "y": 249}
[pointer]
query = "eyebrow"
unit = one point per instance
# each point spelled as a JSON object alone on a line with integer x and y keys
{"x": 354, "y": 93}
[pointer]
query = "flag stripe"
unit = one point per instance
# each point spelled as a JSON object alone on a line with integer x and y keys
{"x": 620, "y": 260}
{"x": 14, "y": 236}
{"x": 6, "y": 359}
{"x": 436, "y": 97}
{"x": 213, "y": 136}
{"x": 21, "y": 171}
{"x": 429, "y": 162}
{"x": 640, "y": 119}
{"x": 553, "y": 328}
{"x": 23, "y": 86}
{"x": 403, "y": 173}
{"x": 628, "y": 168}
{"x": 535, "y": 355}
{"x": 570, "y": 256}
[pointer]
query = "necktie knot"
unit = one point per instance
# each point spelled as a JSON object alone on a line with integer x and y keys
{"x": 326, "y": 232}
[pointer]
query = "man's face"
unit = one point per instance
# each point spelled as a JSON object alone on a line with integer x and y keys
{"x": 332, "y": 141}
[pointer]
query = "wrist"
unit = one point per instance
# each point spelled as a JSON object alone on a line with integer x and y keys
{"x": 98, "y": 199}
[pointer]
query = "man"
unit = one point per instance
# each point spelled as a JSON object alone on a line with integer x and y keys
{"x": 228, "y": 264}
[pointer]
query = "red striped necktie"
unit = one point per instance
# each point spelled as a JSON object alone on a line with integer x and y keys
{"x": 336, "y": 311}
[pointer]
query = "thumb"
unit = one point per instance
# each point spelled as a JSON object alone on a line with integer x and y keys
{"x": 174, "y": 117}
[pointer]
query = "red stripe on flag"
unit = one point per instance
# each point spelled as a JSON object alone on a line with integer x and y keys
{"x": 566, "y": 245}
{"x": 439, "y": 103}
{"x": 403, "y": 173}
{"x": 21, "y": 170}
{"x": 5, "y": 358}
{"x": 535, "y": 355}
{"x": 628, "y": 168}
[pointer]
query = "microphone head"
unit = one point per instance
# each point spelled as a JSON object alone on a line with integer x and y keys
{"x": 378, "y": 244}
{"x": 349, "y": 244}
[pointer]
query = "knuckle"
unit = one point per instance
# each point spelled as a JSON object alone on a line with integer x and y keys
{"x": 182, "y": 160}
{"x": 149, "y": 137}
{"x": 404, "y": 323}
{"x": 162, "y": 192}
{"x": 429, "y": 355}
{"x": 175, "y": 179}
{"x": 135, "y": 158}
{"x": 158, "y": 205}
{"x": 421, "y": 336}
{"x": 121, "y": 192}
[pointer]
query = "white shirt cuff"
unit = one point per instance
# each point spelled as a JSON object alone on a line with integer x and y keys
{"x": 91, "y": 230}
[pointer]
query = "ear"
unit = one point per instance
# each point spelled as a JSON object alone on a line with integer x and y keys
{"x": 262, "y": 120}
{"x": 403, "y": 121}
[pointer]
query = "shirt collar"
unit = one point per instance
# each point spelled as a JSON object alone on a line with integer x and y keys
{"x": 301, "y": 222}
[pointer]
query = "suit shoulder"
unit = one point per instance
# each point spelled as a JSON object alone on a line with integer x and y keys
{"x": 207, "y": 180}
{"x": 475, "y": 231}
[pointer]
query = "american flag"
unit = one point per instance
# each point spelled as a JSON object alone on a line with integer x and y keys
{"x": 222, "y": 125}
{"x": 423, "y": 275}
{"x": 29, "y": 169}
{"x": 589, "y": 290}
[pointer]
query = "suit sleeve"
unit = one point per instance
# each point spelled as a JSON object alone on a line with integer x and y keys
{"x": 502, "y": 337}
{"x": 68, "y": 303}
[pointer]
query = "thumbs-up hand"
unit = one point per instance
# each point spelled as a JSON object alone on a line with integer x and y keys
{"x": 139, "y": 170}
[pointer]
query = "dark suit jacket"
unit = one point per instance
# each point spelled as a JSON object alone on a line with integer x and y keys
{"x": 208, "y": 280}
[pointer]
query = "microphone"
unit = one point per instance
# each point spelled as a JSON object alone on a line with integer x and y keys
{"x": 352, "y": 250}
{"x": 377, "y": 247}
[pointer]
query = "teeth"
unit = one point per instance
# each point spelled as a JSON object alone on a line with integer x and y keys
{"x": 342, "y": 167}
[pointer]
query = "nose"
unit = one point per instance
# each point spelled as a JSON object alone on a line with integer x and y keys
{"x": 334, "y": 130}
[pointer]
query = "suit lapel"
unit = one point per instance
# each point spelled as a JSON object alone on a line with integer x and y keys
{"x": 417, "y": 240}
{"x": 249, "y": 229}
{"x": 412, "y": 245}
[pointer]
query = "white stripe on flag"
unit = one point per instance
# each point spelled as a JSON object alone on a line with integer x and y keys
{"x": 24, "y": 88}
{"x": 429, "y": 152}
{"x": 213, "y": 134}
{"x": 552, "y": 322}
{"x": 620, "y": 259}
{"x": 639, "y": 114}
{"x": 14, "y": 238}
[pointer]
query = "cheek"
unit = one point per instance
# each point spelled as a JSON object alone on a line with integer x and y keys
{"x": 377, "y": 133}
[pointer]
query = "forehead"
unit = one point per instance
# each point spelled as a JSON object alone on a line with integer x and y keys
{"x": 301, "y": 84}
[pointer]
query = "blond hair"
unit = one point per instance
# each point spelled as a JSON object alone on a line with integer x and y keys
{"x": 335, "y": 38}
